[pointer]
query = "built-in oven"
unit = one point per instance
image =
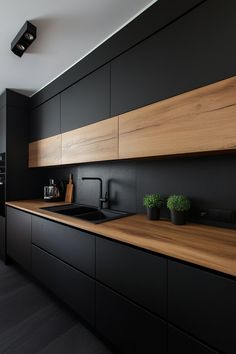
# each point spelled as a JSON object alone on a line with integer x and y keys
{"x": 2, "y": 183}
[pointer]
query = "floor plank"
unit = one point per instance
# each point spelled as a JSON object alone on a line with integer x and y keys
{"x": 33, "y": 321}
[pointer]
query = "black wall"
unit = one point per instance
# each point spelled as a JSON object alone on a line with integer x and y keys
{"x": 208, "y": 31}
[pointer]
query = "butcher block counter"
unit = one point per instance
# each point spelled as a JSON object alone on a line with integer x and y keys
{"x": 207, "y": 246}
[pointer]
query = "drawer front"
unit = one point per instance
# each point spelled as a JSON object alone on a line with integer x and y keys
{"x": 70, "y": 285}
{"x": 178, "y": 342}
{"x": 70, "y": 245}
{"x": 204, "y": 304}
{"x": 129, "y": 328}
{"x": 140, "y": 276}
{"x": 19, "y": 237}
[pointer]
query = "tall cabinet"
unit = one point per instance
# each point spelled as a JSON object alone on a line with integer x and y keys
{"x": 14, "y": 174}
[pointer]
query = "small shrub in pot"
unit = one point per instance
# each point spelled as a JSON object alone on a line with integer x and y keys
{"x": 178, "y": 205}
{"x": 153, "y": 203}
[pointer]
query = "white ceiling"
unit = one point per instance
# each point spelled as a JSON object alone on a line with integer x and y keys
{"x": 67, "y": 31}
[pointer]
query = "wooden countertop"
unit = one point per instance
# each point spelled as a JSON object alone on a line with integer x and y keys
{"x": 207, "y": 246}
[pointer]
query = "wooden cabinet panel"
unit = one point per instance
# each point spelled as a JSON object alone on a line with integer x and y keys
{"x": 45, "y": 120}
{"x": 19, "y": 237}
{"x": 70, "y": 245}
{"x": 198, "y": 121}
{"x": 203, "y": 304}
{"x": 95, "y": 142}
{"x": 72, "y": 286}
{"x": 140, "y": 276}
{"x": 178, "y": 342}
{"x": 45, "y": 152}
{"x": 129, "y": 328}
{"x": 87, "y": 101}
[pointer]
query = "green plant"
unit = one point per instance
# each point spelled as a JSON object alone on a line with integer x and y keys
{"x": 178, "y": 203}
{"x": 153, "y": 201}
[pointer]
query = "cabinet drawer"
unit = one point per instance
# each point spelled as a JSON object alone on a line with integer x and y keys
{"x": 140, "y": 276}
{"x": 70, "y": 285}
{"x": 70, "y": 245}
{"x": 19, "y": 237}
{"x": 178, "y": 342}
{"x": 203, "y": 304}
{"x": 129, "y": 328}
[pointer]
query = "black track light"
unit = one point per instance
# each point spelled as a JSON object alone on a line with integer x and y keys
{"x": 23, "y": 39}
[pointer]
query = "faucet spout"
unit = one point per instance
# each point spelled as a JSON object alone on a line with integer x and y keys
{"x": 101, "y": 198}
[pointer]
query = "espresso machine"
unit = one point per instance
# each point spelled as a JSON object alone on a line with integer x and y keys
{"x": 52, "y": 191}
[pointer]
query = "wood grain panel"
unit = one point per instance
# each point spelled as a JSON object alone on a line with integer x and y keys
{"x": 201, "y": 120}
{"x": 45, "y": 152}
{"x": 94, "y": 142}
{"x": 207, "y": 246}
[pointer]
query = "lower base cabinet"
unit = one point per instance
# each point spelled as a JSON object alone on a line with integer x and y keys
{"x": 129, "y": 328}
{"x": 19, "y": 237}
{"x": 178, "y": 342}
{"x": 70, "y": 285}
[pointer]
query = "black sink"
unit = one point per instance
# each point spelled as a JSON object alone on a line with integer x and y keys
{"x": 88, "y": 213}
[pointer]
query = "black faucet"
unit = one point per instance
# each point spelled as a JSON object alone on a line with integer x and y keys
{"x": 101, "y": 198}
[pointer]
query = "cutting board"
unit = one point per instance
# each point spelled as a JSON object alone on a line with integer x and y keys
{"x": 69, "y": 190}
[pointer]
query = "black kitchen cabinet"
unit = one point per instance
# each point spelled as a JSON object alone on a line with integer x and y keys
{"x": 140, "y": 276}
{"x": 70, "y": 245}
{"x": 179, "y": 342}
{"x": 19, "y": 237}
{"x": 70, "y": 285}
{"x": 45, "y": 120}
{"x": 181, "y": 57}
{"x": 2, "y": 237}
{"x": 2, "y": 129}
{"x": 203, "y": 304}
{"x": 129, "y": 328}
{"x": 87, "y": 101}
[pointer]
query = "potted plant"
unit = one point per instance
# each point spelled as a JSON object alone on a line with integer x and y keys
{"x": 153, "y": 203}
{"x": 178, "y": 205}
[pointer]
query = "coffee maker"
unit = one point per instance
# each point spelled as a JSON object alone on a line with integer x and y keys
{"x": 52, "y": 192}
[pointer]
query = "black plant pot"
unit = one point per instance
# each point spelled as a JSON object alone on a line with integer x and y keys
{"x": 153, "y": 213}
{"x": 178, "y": 217}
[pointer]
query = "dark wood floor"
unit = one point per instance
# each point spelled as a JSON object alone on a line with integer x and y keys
{"x": 32, "y": 321}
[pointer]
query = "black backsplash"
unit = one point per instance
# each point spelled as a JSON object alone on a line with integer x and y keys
{"x": 209, "y": 182}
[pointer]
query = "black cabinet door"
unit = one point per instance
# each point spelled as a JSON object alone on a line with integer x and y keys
{"x": 2, "y": 237}
{"x": 140, "y": 276}
{"x": 70, "y": 245}
{"x": 2, "y": 129}
{"x": 203, "y": 304}
{"x": 129, "y": 328}
{"x": 179, "y": 58}
{"x": 86, "y": 102}
{"x": 70, "y": 285}
{"x": 179, "y": 342}
{"x": 19, "y": 237}
{"x": 45, "y": 120}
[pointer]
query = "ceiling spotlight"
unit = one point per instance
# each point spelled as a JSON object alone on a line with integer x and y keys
{"x": 23, "y": 39}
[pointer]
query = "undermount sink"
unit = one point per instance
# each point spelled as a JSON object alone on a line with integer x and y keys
{"x": 88, "y": 213}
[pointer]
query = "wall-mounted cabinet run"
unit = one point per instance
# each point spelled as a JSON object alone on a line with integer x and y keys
{"x": 199, "y": 121}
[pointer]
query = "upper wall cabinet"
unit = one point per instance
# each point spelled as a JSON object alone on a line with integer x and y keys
{"x": 198, "y": 121}
{"x": 86, "y": 102}
{"x": 95, "y": 142}
{"x": 45, "y": 120}
{"x": 179, "y": 58}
